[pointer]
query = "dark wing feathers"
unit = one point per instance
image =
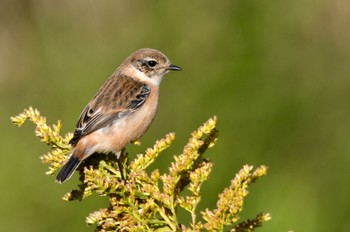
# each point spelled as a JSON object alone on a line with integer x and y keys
{"x": 107, "y": 107}
{"x": 88, "y": 124}
{"x": 138, "y": 101}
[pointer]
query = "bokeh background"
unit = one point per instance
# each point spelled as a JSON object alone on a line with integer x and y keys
{"x": 276, "y": 74}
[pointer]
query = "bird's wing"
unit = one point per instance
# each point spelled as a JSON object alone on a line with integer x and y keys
{"x": 116, "y": 99}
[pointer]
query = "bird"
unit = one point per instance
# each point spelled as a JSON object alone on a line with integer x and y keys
{"x": 122, "y": 109}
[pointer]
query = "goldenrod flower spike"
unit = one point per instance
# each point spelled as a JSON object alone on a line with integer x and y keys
{"x": 148, "y": 200}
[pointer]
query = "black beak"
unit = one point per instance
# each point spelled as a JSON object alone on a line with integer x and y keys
{"x": 174, "y": 68}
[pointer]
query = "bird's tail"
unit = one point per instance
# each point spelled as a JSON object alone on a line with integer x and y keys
{"x": 68, "y": 169}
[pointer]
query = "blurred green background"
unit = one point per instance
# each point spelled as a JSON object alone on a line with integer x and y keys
{"x": 276, "y": 74}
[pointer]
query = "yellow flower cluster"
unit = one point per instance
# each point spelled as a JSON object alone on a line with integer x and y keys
{"x": 149, "y": 201}
{"x": 230, "y": 202}
{"x": 49, "y": 135}
{"x": 140, "y": 203}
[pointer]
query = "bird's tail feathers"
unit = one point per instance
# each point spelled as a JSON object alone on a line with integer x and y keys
{"x": 68, "y": 169}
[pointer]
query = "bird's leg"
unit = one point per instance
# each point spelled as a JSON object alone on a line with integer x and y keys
{"x": 120, "y": 165}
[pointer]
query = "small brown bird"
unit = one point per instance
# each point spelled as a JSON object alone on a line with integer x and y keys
{"x": 121, "y": 111}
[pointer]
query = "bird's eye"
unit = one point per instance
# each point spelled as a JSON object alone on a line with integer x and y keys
{"x": 151, "y": 63}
